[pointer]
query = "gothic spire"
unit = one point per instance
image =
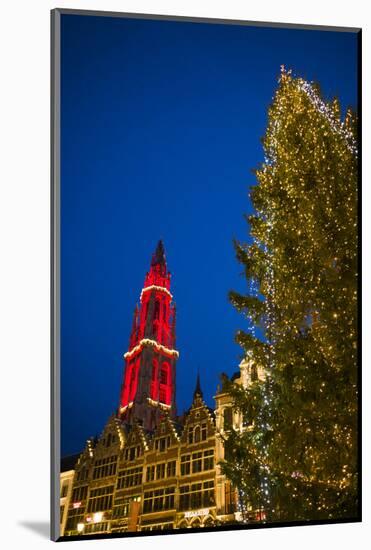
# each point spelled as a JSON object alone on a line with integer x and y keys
{"x": 198, "y": 391}
{"x": 158, "y": 257}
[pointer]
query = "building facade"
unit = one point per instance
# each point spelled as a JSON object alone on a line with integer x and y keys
{"x": 149, "y": 469}
{"x": 65, "y": 490}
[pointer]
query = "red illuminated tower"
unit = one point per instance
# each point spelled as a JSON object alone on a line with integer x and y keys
{"x": 148, "y": 387}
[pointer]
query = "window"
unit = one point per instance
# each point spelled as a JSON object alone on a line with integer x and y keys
{"x": 132, "y": 453}
{"x": 163, "y": 376}
{"x": 171, "y": 468}
{"x": 162, "y": 443}
{"x": 83, "y": 474}
{"x": 197, "y": 495}
{"x": 129, "y": 478}
{"x": 72, "y": 522}
{"x": 185, "y": 465}
{"x": 208, "y": 497}
{"x": 200, "y": 461}
{"x": 160, "y": 471}
{"x": 196, "y": 463}
{"x": 190, "y": 435}
{"x": 158, "y": 527}
{"x": 209, "y": 459}
{"x": 150, "y": 473}
{"x": 105, "y": 467}
{"x": 160, "y": 499}
{"x": 184, "y": 498}
{"x": 122, "y": 506}
{"x": 110, "y": 440}
{"x": 197, "y": 434}
{"x": 101, "y": 527}
{"x": 228, "y": 418}
{"x": 61, "y": 512}
{"x": 229, "y": 501}
{"x": 162, "y": 395}
{"x": 64, "y": 490}
{"x": 79, "y": 493}
{"x": 100, "y": 499}
{"x": 204, "y": 431}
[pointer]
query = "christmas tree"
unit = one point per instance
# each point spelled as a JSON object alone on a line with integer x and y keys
{"x": 297, "y": 459}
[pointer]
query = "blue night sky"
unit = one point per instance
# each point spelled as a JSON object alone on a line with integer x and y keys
{"x": 161, "y": 128}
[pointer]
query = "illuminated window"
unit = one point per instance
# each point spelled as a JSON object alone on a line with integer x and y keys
{"x": 79, "y": 493}
{"x": 100, "y": 499}
{"x": 101, "y": 527}
{"x": 122, "y": 506}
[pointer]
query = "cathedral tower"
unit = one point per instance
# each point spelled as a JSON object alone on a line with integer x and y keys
{"x": 148, "y": 387}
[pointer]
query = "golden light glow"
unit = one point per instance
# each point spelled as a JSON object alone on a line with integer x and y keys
{"x": 155, "y": 287}
{"x": 156, "y": 345}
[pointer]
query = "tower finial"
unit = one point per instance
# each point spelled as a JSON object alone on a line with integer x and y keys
{"x": 198, "y": 391}
{"x": 158, "y": 257}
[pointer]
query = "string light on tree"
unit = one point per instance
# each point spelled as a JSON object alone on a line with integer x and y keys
{"x": 298, "y": 460}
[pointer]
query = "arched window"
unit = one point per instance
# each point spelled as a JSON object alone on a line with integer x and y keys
{"x": 197, "y": 434}
{"x": 165, "y": 383}
{"x": 164, "y": 374}
{"x": 190, "y": 435}
{"x": 132, "y": 381}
